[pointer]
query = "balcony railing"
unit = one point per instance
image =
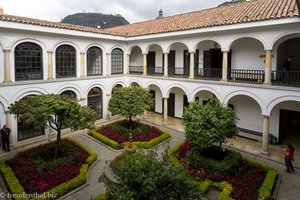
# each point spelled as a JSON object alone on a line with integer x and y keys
{"x": 136, "y": 69}
{"x": 208, "y": 74}
{"x": 155, "y": 71}
{"x": 246, "y": 76}
{"x": 286, "y": 78}
{"x": 178, "y": 71}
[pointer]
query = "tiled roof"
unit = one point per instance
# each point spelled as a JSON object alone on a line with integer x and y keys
{"x": 237, "y": 13}
{"x": 38, "y": 22}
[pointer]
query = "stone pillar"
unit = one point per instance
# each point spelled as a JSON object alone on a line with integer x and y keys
{"x": 108, "y": 114}
{"x": 165, "y": 110}
{"x": 50, "y": 65}
{"x": 144, "y": 64}
{"x": 192, "y": 65}
{"x": 82, "y": 64}
{"x": 166, "y": 63}
{"x": 225, "y": 66}
{"x": 7, "y": 75}
{"x": 265, "y": 142}
{"x": 268, "y": 67}
{"x": 9, "y": 124}
{"x": 108, "y": 67}
{"x": 126, "y": 70}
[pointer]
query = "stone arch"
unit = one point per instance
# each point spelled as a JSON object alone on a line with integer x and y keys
{"x": 283, "y": 37}
{"x": 29, "y": 91}
{"x": 279, "y": 100}
{"x": 73, "y": 88}
{"x": 114, "y": 84}
{"x": 117, "y": 47}
{"x": 95, "y": 45}
{"x": 153, "y": 45}
{"x": 169, "y": 88}
{"x": 135, "y": 82}
{"x": 247, "y": 94}
{"x": 177, "y": 43}
{"x": 157, "y": 85}
{"x": 206, "y": 40}
{"x": 4, "y": 102}
{"x": 209, "y": 89}
{"x": 74, "y": 45}
{"x": 132, "y": 47}
{"x": 262, "y": 42}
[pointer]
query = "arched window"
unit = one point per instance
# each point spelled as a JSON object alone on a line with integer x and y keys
{"x": 94, "y": 61}
{"x": 95, "y": 101}
{"x": 117, "y": 61}
{"x": 69, "y": 93}
{"x": 28, "y": 62}
{"x": 65, "y": 61}
{"x": 29, "y": 131}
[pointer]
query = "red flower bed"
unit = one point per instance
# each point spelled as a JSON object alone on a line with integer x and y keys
{"x": 246, "y": 180}
{"x": 110, "y": 133}
{"x": 37, "y": 171}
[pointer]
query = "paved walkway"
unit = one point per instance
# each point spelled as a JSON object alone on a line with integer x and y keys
{"x": 288, "y": 186}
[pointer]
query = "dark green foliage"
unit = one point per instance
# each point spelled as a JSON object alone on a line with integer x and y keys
{"x": 95, "y": 20}
{"x": 130, "y": 101}
{"x": 55, "y": 111}
{"x": 210, "y": 123}
{"x": 214, "y": 160}
{"x": 123, "y": 127}
{"x": 145, "y": 177}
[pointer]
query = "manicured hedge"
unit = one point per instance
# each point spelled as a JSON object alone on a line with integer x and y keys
{"x": 145, "y": 145}
{"x": 264, "y": 191}
{"x": 16, "y": 188}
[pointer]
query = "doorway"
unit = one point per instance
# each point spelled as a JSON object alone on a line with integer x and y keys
{"x": 289, "y": 126}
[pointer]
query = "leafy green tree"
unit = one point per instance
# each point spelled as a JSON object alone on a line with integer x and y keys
{"x": 130, "y": 102}
{"x": 145, "y": 177}
{"x": 55, "y": 111}
{"x": 209, "y": 123}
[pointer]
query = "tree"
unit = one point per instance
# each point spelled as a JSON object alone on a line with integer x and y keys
{"x": 145, "y": 177}
{"x": 209, "y": 123}
{"x": 130, "y": 102}
{"x": 55, "y": 111}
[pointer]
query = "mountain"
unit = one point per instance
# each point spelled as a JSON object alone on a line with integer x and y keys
{"x": 96, "y": 20}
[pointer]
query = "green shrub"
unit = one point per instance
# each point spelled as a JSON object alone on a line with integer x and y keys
{"x": 123, "y": 127}
{"x": 170, "y": 154}
{"x": 16, "y": 188}
{"x": 225, "y": 163}
{"x": 103, "y": 139}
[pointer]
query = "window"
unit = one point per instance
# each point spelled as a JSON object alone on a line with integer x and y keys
{"x": 65, "y": 61}
{"x": 69, "y": 93}
{"x": 28, "y": 62}
{"x": 117, "y": 61}
{"x": 95, "y": 101}
{"x": 94, "y": 61}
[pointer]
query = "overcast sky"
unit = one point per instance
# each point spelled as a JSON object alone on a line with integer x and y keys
{"x": 132, "y": 10}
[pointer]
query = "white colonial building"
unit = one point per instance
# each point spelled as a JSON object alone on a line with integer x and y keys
{"x": 233, "y": 52}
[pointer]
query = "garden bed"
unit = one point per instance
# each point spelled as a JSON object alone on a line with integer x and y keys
{"x": 248, "y": 180}
{"x": 117, "y": 134}
{"x": 35, "y": 171}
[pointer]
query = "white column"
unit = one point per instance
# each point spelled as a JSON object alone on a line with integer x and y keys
{"x": 192, "y": 65}
{"x": 50, "y": 65}
{"x": 7, "y": 75}
{"x": 165, "y": 110}
{"x": 82, "y": 64}
{"x": 144, "y": 64}
{"x": 265, "y": 142}
{"x": 166, "y": 62}
{"x": 225, "y": 66}
{"x": 9, "y": 124}
{"x": 126, "y": 71}
{"x": 108, "y": 67}
{"x": 268, "y": 67}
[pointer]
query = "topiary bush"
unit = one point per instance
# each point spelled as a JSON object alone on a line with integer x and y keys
{"x": 214, "y": 159}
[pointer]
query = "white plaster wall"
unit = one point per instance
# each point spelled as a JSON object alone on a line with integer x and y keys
{"x": 203, "y": 46}
{"x": 158, "y": 101}
{"x": 136, "y": 57}
{"x": 158, "y": 55}
{"x": 178, "y": 101}
{"x": 246, "y": 54}
{"x": 248, "y": 113}
{"x": 179, "y": 49}
{"x": 1, "y": 66}
{"x": 2, "y": 116}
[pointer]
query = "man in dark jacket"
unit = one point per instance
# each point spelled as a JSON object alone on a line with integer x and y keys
{"x": 5, "y": 133}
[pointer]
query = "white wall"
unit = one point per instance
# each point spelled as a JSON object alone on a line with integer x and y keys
{"x": 158, "y": 55}
{"x": 136, "y": 57}
{"x": 178, "y": 101}
{"x": 248, "y": 112}
{"x": 178, "y": 48}
{"x": 203, "y": 46}
{"x": 2, "y": 116}
{"x": 246, "y": 54}
{"x": 1, "y": 66}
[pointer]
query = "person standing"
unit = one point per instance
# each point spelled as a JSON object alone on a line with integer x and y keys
{"x": 286, "y": 68}
{"x": 288, "y": 158}
{"x": 5, "y": 133}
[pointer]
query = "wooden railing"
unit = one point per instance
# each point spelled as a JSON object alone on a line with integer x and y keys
{"x": 246, "y": 76}
{"x": 155, "y": 71}
{"x": 209, "y": 74}
{"x": 286, "y": 78}
{"x": 178, "y": 71}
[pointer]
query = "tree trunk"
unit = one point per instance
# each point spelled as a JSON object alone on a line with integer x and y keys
{"x": 130, "y": 123}
{"x": 57, "y": 143}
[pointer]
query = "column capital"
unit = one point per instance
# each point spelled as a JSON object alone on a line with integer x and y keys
{"x": 225, "y": 50}
{"x": 108, "y": 54}
{"x": 50, "y": 51}
{"x": 6, "y": 50}
{"x": 82, "y": 52}
{"x": 165, "y": 52}
{"x": 192, "y": 52}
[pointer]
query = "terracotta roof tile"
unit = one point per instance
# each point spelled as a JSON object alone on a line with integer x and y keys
{"x": 242, "y": 12}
